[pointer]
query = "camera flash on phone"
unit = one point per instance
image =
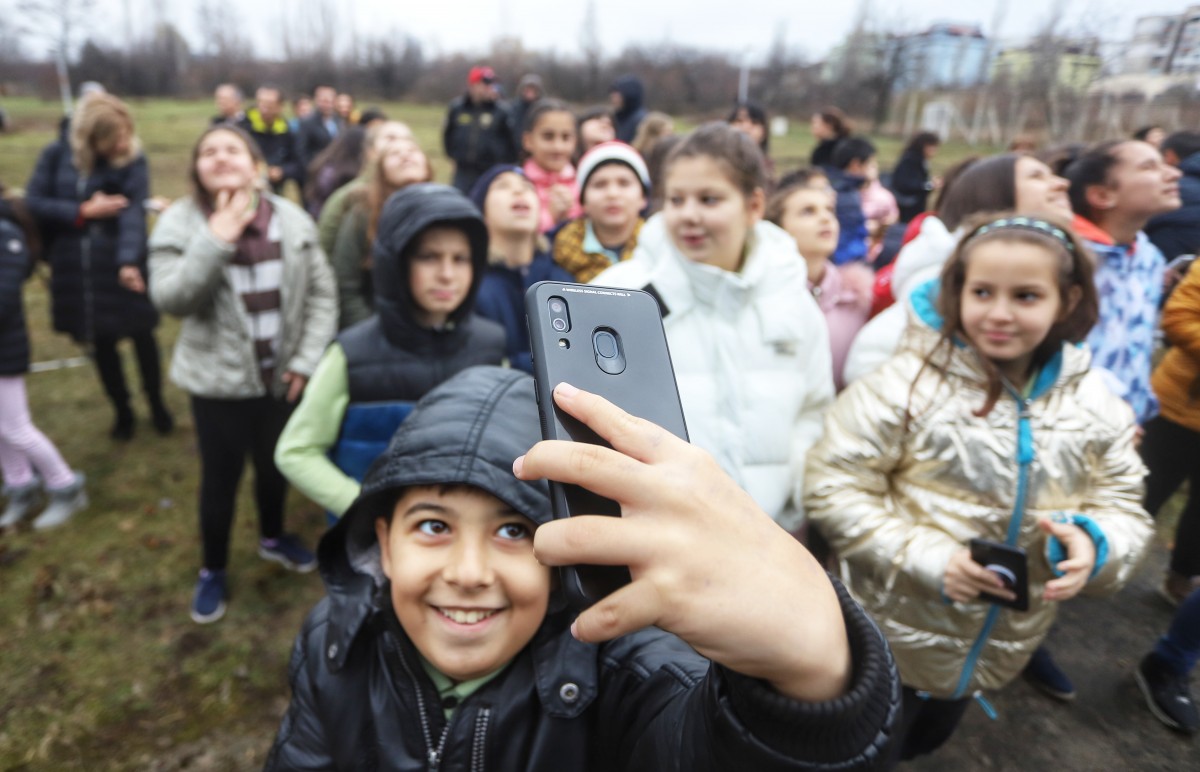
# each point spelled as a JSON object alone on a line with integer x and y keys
{"x": 564, "y": 343}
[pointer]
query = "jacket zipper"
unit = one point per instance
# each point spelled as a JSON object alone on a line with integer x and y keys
{"x": 433, "y": 754}
{"x": 479, "y": 746}
{"x": 1024, "y": 459}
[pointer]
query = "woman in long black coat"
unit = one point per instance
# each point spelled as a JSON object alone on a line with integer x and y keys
{"x": 911, "y": 183}
{"x": 87, "y": 193}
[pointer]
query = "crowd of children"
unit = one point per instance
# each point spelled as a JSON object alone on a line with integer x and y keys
{"x": 886, "y": 386}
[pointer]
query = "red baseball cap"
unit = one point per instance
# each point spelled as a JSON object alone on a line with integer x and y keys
{"x": 482, "y": 74}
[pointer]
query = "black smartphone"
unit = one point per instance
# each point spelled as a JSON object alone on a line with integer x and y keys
{"x": 609, "y": 342}
{"x": 1010, "y": 564}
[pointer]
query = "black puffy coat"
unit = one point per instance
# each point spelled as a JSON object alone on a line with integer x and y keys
{"x": 278, "y": 146}
{"x": 86, "y": 256}
{"x": 1178, "y": 233}
{"x": 361, "y": 699}
{"x": 477, "y": 136}
{"x": 633, "y": 110}
{"x": 910, "y": 184}
{"x": 390, "y": 355}
{"x": 14, "y": 268}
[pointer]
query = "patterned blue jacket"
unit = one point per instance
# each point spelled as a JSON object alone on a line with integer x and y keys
{"x": 1129, "y": 280}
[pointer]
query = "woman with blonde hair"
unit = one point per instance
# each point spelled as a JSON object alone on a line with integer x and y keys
{"x": 653, "y": 128}
{"x": 87, "y": 193}
{"x": 399, "y": 166}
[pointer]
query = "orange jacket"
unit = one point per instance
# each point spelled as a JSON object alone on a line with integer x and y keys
{"x": 1177, "y": 379}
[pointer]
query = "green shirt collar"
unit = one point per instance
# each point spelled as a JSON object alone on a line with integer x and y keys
{"x": 453, "y": 693}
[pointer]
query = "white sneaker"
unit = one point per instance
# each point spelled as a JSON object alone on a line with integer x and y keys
{"x": 64, "y": 502}
{"x": 22, "y": 500}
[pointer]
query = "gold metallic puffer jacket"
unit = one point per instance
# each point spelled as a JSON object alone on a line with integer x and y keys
{"x": 897, "y": 501}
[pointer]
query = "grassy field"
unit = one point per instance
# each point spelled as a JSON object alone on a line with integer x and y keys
{"x": 100, "y": 666}
{"x": 168, "y": 128}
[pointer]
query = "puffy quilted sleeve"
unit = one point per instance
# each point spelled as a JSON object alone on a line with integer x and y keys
{"x": 849, "y": 479}
{"x": 1113, "y": 501}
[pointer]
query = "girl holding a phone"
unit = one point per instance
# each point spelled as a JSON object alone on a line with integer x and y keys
{"x": 987, "y": 424}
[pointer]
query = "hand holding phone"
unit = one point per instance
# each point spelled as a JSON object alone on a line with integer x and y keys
{"x": 1010, "y": 565}
{"x": 707, "y": 563}
{"x": 608, "y": 342}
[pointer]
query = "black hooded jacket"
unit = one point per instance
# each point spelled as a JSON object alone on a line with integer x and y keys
{"x": 392, "y": 357}
{"x": 14, "y": 269}
{"x": 361, "y": 699}
{"x": 632, "y": 111}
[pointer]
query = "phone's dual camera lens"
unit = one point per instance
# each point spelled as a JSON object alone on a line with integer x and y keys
{"x": 560, "y": 319}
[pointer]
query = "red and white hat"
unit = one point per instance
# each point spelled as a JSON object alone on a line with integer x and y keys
{"x": 611, "y": 152}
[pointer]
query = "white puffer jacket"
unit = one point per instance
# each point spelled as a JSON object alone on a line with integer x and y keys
{"x": 751, "y": 356}
{"x": 919, "y": 261}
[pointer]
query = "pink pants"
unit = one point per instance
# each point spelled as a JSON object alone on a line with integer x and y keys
{"x": 22, "y": 447}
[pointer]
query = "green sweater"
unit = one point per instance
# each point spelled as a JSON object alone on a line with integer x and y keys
{"x": 349, "y": 250}
{"x": 301, "y": 453}
{"x": 331, "y": 213}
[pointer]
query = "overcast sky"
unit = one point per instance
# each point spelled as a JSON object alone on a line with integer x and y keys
{"x": 730, "y": 25}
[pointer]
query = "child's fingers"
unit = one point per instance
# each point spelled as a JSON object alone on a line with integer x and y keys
{"x": 999, "y": 591}
{"x": 981, "y": 576}
{"x": 1063, "y": 588}
{"x": 626, "y": 610}
{"x": 593, "y": 540}
{"x": 601, "y": 470}
{"x": 1072, "y": 565}
{"x": 629, "y": 434}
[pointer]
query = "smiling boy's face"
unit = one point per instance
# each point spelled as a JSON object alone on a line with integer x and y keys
{"x": 464, "y": 582}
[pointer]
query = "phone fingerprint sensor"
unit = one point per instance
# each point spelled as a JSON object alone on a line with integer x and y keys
{"x": 610, "y": 356}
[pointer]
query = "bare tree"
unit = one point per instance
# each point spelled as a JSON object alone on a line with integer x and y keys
{"x": 60, "y": 23}
{"x": 590, "y": 48}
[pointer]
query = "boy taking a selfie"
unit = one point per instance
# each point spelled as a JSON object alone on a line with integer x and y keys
{"x": 444, "y": 642}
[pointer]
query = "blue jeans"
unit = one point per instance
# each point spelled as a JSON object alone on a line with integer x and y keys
{"x": 1179, "y": 649}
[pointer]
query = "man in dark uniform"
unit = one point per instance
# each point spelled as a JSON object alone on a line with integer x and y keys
{"x": 266, "y": 124}
{"x": 477, "y": 135}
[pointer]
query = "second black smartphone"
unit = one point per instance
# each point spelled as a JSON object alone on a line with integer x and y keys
{"x": 610, "y": 342}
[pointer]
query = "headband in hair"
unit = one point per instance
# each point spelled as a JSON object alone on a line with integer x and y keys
{"x": 1027, "y": 224}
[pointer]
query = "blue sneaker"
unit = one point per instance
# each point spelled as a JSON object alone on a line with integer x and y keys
{"x": 208, "y": 604}
{"x": 287, "y": 551}
{"x": 1045, "y": 674}
{"x": 1167, "y": 695}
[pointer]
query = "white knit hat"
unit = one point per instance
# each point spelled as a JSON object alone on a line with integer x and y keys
{"x": 611, "y": 152}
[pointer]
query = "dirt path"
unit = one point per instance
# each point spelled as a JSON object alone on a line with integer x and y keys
{"x": 1108, "y": 727}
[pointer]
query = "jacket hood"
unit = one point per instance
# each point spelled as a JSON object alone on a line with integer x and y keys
{"x": 406, "y": 214}
{"x": 1191, "y": 165}
{"x": 468, "y": 430}
{"x": 632, "y": 92}
{"x": 921, "y": 259}
{"x": 925, "y": 329}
